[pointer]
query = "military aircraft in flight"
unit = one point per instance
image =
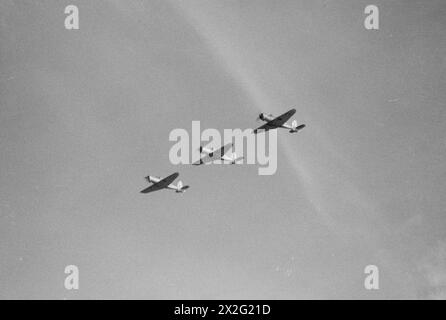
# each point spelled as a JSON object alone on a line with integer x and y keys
{"x": 219, "y": 154}
{"x": 279, "y": 122}
{"x": 165, "y": 183}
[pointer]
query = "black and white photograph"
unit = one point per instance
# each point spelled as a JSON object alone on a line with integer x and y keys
{"x": 222, "y": 150}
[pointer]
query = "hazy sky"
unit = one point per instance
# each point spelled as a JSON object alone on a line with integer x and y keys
{"x": 86, "y": 114}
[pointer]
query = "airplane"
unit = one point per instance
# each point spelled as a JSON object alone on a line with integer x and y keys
{"x": 279, "y": 122}
{"x": 165, "y": 183}
{"x": 219, "y": 154}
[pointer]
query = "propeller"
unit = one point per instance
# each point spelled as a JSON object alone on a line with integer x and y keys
{"x": 269, "y": 115}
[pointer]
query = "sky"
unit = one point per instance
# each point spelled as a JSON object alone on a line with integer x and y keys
{"x": 86, "y": 114}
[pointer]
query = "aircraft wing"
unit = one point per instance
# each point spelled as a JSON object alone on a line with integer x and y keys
{"x": 161, "y": 184}
{"x": 153, "y": 187}
{"x": 277, "y": 122}
{"x": 267, "y": 126}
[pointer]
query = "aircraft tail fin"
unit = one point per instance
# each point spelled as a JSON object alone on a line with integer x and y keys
{"x": 295, "y": 127}
{"x": 235, "y": 159}
{"x": 294, "y": 124}
{"x": 180, "y": 187}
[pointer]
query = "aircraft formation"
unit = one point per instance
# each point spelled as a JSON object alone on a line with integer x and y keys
{"x": 271, "y": 123}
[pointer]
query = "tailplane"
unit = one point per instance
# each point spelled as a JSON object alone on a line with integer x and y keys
{"x": 295, "y": 127}
{"x": 234, "y": 158}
